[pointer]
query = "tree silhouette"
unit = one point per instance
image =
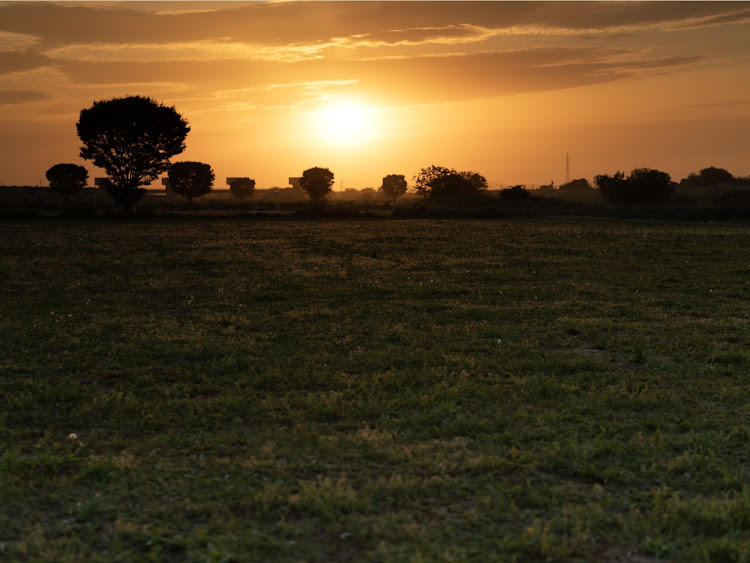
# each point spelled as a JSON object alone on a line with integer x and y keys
{"x": 644, "y": 185}
{"x": 242, "y": 187}
{"x": 133, "y": 139}
{"x": 394, "y": 185}
{"x": 710, "y": 176}
{"x": 515, "y": 193}
{"x": 427, "y": 177}
{"x": 438, "y": 181}
{"x": 67, "y": 179}
{"x": 191, "y": 179}
{"x": 317, "y": 183}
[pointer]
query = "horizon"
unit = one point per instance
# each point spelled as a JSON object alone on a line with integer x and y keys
{"x": 368, "y": 89}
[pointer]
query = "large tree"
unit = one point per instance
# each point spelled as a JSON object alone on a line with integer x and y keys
{"x": 644, "y": 185}
{"x": 133, "y": 139}
{"x": 317, "y": 183}
{"x": 242, "y": 187}
{"x": 67, "y": 179}
{"x": 710, "y": 176}
{"x": 191, "y": 179}
{"x": 438, "y": 181}
{"x": 394, "y": 185}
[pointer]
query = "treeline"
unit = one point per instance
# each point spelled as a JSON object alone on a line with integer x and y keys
{"x": 134, "y": 139}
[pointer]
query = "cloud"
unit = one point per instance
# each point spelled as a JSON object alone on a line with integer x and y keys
{"x": 434, "y": 78}
{"x": 197, "y": 51}
{"x": 448, "y": 35}
{"x": 17, "y": 61}
{"x": 11, "y": 97}
{"x": 742, "y": 16}
{"x": 311, "y": 22}
{"x": 10, "y": 41}
{"x": 493, "y": 74}
{"x": 733, "y": 103}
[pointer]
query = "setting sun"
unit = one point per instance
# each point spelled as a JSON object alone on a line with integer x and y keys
{"x": 345, "y": 122}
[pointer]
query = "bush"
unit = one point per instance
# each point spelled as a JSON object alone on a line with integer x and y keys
{"x": 644, "y": 185}
{"x": 515, "y": 193}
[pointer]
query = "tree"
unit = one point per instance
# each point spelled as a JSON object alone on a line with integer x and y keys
{"x": 242, "y": 187}
{"x": 67, "y": 179}
{"x": 515, "y": 193}
{"x": 644, "y": 185}
{"x": 394, "y": 185}
{"x": 438, "y": 181}
{"x": 710, "y": 176}
{"x": 191, "y": 179}
{"x": 317, "y": 183}
{"x": 133, "y": 139}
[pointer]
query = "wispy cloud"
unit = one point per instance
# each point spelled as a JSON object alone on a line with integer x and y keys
{"x": 10, "y": 97}
{"x": 447, "y": 35}
{"x": 10, "y": 42}
{"x": 379, "y": 22}
{"x": 733, "y": 103}
{"x": 742, "y": 16}
{"x": 14, "y": 61}
{"x": 198, "y": 51}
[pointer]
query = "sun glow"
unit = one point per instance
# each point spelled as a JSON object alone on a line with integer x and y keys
{"x": 345, "y": 122}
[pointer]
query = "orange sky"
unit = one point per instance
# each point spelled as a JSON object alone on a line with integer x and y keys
{"x": 503, "y": 89}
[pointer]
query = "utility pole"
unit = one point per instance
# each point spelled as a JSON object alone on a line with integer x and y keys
{"x": 567, "y": 168}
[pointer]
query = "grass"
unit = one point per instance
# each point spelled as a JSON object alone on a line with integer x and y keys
{"x": 380, "y": 391}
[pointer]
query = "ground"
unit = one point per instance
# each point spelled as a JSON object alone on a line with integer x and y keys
{"x": 382, "y": 390}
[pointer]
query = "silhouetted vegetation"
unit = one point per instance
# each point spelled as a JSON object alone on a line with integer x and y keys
{"x": 191, "y": 179}
{"x": 132, "y": 139}
{"x": 644, "y": 185}
{"x": 394, "y": 186}
{"x": 440, "y": 182}
{"x": 710, "y": 176}
{"x": 577, "y": 184}
{"x": 242, "y": 188}
{"x": 67, "y": 180}
{"x": 515, "y": 193}
{"x": 317, "y": 183}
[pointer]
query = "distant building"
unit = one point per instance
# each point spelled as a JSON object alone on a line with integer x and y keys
{"x": 578, "y": 184}
{"x": 168, "y": 188}
{"x": 296, "y": 183}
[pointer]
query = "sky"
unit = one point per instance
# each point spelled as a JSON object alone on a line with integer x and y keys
{"x": 368, "y": 89}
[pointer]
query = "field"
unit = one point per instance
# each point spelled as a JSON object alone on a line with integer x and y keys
{"x": 220, "y": 390}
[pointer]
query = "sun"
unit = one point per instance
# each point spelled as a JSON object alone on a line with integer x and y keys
{"x": 345, "y": 122}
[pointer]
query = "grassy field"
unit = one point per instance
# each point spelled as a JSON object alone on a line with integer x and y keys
{"x": 388, "y": 390}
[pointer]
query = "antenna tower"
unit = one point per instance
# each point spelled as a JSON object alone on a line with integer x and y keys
{"x": 567, "y": 168}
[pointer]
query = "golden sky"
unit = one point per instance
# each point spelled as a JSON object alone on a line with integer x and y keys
{"x": 375, "y": 88}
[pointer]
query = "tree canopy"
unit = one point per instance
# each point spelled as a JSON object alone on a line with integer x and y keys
{"x": 394, "y": 186}
{"x": 242, "y": 187}
{"x": 438, "y": 181}
{"x": 644, "y": 185}
{"x": 67, "y": 179}
{"x": 317, "y": 183}
{"x": 191, "y": 179}
{"x": 132, "y": 139}
{"x": 515, "y": 193}
{"x": 710, "y": 176}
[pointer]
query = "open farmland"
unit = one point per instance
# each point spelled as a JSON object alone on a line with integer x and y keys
{"x": 374, "y": 390}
